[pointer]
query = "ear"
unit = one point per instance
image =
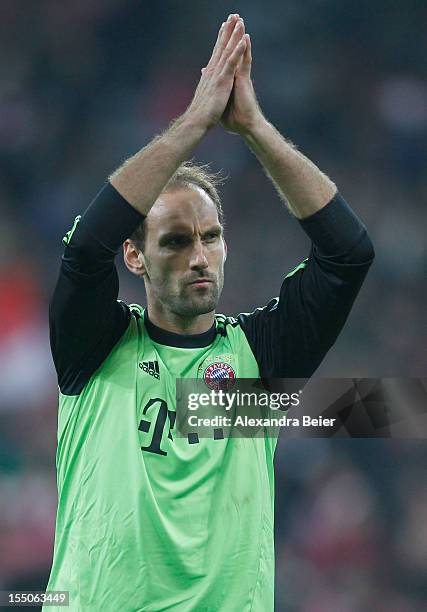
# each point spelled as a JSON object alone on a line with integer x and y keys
{"x": 225, "y": 250}
{"x": 133, "y": 258}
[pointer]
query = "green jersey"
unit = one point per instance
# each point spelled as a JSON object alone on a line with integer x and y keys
{"x": 149, "y": 521}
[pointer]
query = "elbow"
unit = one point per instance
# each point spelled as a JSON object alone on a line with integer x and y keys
{"x": 363, "y": 252}
{"x": 368, "y": 249}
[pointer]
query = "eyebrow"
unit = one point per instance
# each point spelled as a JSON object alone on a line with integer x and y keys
{"x": 214, "y": 229}
{"x": 183, "y": 233}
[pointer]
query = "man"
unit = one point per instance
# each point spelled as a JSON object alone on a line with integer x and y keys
{"x": 148, "y": 521}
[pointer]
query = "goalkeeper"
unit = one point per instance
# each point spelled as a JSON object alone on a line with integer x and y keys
{"x": 148, "y": 521}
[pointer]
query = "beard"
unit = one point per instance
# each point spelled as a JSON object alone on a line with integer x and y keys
{"x": 200, "y": 301}
{"x": 188, "y": 301}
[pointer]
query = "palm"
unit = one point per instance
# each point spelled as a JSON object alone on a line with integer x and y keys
{"x": 241, "y": 107}
{"x": 228, "y": 120}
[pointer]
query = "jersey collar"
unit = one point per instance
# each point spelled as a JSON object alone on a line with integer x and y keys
{"x": 162, "y": 336}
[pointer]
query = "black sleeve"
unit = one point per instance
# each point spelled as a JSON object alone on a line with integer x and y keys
{"x": 291, "y": 335}
{"x": 85, "y": 318}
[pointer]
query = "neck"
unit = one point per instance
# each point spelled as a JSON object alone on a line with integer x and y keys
{"x": 172, "y": 322}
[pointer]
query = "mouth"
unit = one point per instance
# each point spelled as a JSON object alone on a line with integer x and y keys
{"x": 201, "y": 282}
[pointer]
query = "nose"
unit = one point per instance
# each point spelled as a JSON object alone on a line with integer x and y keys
{"x": 198, "y": 259}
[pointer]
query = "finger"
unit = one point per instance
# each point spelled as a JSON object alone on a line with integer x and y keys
{"x": 238, "y": 32}
{"x": 245, "y": 63}
{"x": 217, "y": 44}
{"x": 249, "y": 50}
{"x": 239, "y": 65}
{"x": 235, "y": 57}
{"x": 224, "y": 35}
{"x": 228, "y": 31}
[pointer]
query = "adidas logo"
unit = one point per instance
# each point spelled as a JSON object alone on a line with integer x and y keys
{"x": 151, "y": 367}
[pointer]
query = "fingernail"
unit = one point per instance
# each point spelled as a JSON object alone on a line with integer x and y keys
{"x": 229, "y": 17}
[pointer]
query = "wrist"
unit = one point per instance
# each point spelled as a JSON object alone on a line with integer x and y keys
{"x": 254, "y": 129}
{"x": 196, "y": 122}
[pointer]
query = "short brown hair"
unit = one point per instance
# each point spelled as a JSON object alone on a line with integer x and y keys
{"x": 187, "y": 175}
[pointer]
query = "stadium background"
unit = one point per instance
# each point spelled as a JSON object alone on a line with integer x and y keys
{"x": 87, "y": 83}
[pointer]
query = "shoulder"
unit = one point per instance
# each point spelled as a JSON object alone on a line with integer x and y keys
{"x": 229, "y": 326}
{"x": 136, "y": 310}
{"x": 225, "y": 321}
{"x": 261, "y": 312}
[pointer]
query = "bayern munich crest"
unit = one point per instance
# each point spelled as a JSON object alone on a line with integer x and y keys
{"x": 219, "y": 375}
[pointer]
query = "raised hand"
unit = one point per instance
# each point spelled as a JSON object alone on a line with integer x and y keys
{"x": 242, "y": 110}
{"x": 218, "y": 77}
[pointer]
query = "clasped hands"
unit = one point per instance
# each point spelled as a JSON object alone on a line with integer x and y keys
{"x": 225, "y": 93}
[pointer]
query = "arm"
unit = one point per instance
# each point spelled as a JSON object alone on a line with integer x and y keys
{"x": 85, "y": 318}
{"x": 292, "y": 334}
{"x": 142, "y": 178}
{"x": 297, "y": 180}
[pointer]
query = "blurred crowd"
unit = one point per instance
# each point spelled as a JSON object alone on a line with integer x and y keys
{"x": 87, "y": 83}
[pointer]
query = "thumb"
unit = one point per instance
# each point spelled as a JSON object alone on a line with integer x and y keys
{"x": 245, "y": 63}
{"x": 239, "y": 65}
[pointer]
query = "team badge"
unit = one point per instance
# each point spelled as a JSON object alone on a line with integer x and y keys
{"x": 219, "y": 375}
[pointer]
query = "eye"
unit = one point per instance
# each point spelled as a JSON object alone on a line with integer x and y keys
{"x": 177, "y": 242}
{"x": 210, "y": 237}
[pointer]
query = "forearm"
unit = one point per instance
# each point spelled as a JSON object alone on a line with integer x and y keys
{"x": 141, "y": 179}
{"x": 298, "y": 180}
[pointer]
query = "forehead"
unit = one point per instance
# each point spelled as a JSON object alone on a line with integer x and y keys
{"x": 184, "y": 208}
